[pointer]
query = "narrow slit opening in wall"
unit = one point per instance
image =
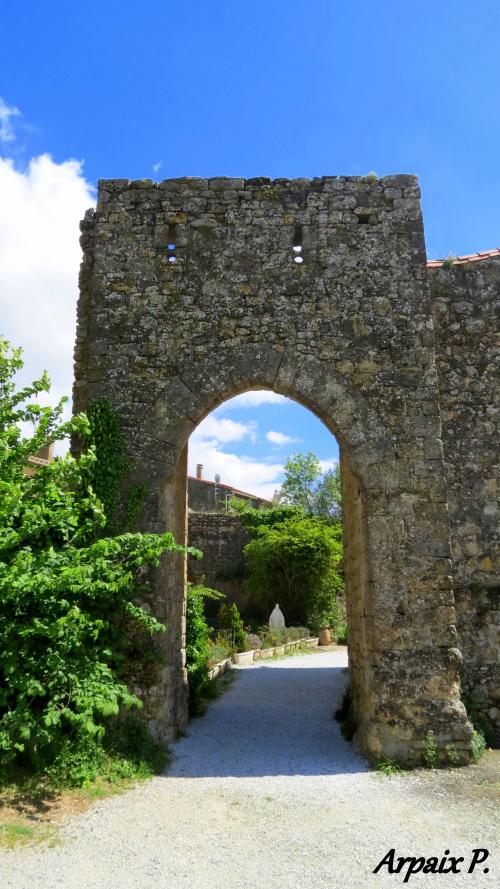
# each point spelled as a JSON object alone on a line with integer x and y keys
{"x": 297, "y": 245}
{"x": 171, "y": 243}
{"x": 364, "y": 219}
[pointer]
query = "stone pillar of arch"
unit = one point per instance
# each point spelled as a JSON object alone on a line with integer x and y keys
{"x": 190, "y": 294}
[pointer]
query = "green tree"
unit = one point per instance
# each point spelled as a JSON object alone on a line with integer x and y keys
{"x": 230, "y": 621}
{"x": 67, "y": 594}
{"x": 296, "y": 561}
{"x": 302, "y": 472}
{"x": 308, "y": 489}
{"x": 328, "y": 495}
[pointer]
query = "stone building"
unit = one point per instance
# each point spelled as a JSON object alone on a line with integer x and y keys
{"x": 318, "y": 289}
{"x": 221, "y": 537}
{"x": 214, "y": 496}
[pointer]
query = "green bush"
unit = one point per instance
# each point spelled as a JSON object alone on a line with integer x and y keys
{"x": 478, "y": 745}
{"x": 295, "y": 560}
{"x": 230, "y": 621}
{"x": 271, "y": 638}
{"x": 430, "y": 750}
{"x": 197, "y": 642}
{"x": 67, "y": 594}
{"x": 341, "y": 633}
{"x": 219, "y": 649}
{"x": 126, "y": 752}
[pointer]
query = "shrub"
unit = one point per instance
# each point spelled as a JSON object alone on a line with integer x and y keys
{"x": 197, "y": 642}
{"x": 67, "y": 594}
{"x": 389, "y": 767}
{"x": 295, "y": 560}
{"x": 430, "y": 750}
{"x": 270, "y": 638}
{"x": 341, "y": 633}
{"x": 126, "y": 752}
{"x": 452, "y": 754}
{"x": 478, "y": 745}
{"x": 230, "y": 620}
{"x": 219, "y": 649}
{"x": 476, "y": 717}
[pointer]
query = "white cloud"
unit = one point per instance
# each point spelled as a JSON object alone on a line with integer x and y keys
{"x": 279, "y": 438}
{"x": 6, "y": 113}
{"x": 156, "y": 167}
{"x": 328, "y": 464}
{"x": 40, "y": 210}
{"x": 223, "y": 430}
{"x": 254, "y": 398}
{"x": 240, "y": 472}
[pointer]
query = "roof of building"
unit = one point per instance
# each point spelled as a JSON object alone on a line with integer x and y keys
{"x": 461, "y": 260}
{"x": 235, "y": 491}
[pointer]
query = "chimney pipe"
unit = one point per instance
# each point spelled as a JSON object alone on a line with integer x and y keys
{"x": 199, "y": 470}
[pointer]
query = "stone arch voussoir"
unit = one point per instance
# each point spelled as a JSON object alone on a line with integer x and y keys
{"x": 201, "y": 386}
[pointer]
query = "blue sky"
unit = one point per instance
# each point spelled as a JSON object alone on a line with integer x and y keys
{"x": 270, "y": 88}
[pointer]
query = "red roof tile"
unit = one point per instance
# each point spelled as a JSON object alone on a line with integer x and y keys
{"x": 235, "y": 491}
{"x": 461, "y": 260}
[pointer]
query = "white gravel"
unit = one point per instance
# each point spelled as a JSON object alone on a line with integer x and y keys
{"x": 265, "y": 792}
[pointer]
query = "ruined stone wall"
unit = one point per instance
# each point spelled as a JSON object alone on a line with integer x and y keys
{"x": 221, "y": 537}
{"x": 192, "y": 292}
{"x": 466, "y": 310}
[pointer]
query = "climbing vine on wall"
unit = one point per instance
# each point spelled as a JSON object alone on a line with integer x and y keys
{"x": 122, "y": 501}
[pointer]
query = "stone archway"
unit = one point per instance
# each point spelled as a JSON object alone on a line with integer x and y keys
{"x": 348, "y": 333}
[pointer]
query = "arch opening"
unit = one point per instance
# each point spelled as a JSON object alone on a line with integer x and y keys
{"x": 224, "y": 472}
{"x": 237, "y": 459}
{"x": 393, "y": 573}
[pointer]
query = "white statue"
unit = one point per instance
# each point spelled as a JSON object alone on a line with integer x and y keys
{"x": 277, "y": 618}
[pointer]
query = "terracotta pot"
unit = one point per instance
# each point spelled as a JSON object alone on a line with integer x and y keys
{"x": 325, "y": 637}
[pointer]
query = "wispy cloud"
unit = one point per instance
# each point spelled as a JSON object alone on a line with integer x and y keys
{"x": 7, "y": 112}
{"x": 156, "y": 167}
{"x": 279, "y": 438}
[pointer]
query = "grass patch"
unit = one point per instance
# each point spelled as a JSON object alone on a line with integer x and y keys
{"x": 33, "y": 805}
{"x": 12, "y": 835}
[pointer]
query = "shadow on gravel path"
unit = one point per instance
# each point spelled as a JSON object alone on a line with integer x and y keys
{"x": 277, "y": 718}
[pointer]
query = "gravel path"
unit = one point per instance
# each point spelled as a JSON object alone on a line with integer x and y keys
{"x": 265, "y": 792}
